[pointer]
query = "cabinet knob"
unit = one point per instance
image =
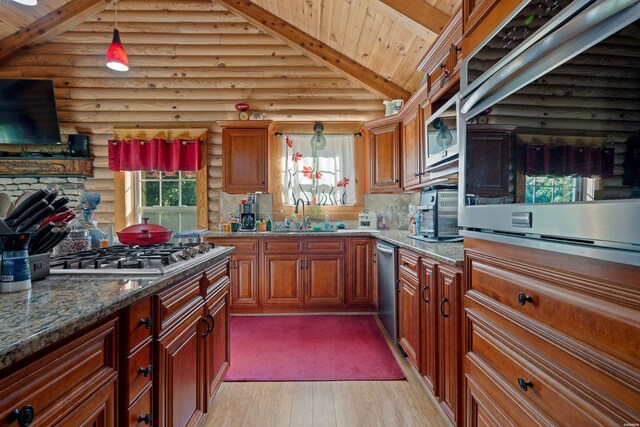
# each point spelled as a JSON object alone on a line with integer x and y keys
{"x": 145, "y": 371}
{"x": 524, "y": 385}
{"x": 523, "y": 299}
{"x": 146, "y": 322}
{"x": 458, "y": 48}
{"x": 442, "y": 307}
{"x": 23, "y": 416}
{"x": 396, "y": 180}
{"x": 443, "y": 66}
{"x": 145, "y": 419}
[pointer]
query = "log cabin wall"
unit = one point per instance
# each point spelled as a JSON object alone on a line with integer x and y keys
{"x": 191, "y": 61}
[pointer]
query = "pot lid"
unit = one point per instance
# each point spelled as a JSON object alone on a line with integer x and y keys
{"x": 145, "y": 228}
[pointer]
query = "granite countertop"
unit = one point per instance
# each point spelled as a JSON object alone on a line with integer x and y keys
{"x": 448, "y": 253}
{"x": 58, "y": 306}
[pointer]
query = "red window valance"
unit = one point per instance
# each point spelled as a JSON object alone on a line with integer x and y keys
{"x": 154, "y": 154}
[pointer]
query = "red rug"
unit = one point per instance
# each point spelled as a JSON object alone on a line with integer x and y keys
{"x": 309, "y": 348}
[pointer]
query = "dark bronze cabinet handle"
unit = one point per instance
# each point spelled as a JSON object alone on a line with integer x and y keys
{"x": 523, "y": 299}
{"x": 442, "y": 307}
{"x": 458, "y": 49}
{"x": 524, "y": 385}
{"x": 424, "y": 293}
{"x": 398, "y": 287}
{"x": 145, "y": 419}
{"x": 206, "y": 322}
{"x": 145, "y": 371}
{"x": 23, "y": 416}
{"x": 213, "y": 321}
{"x": 146, "y": 322}
{"x": 442, "y": 66}
{"x": 375, "y": 257}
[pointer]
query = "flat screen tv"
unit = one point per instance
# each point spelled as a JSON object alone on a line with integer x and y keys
{"x": 28, "y": 112}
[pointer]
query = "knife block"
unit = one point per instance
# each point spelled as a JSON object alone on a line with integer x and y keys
{"x": 39, "y": 266}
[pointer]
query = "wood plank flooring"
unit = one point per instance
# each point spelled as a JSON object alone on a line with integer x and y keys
{"x": 331, "y": 403}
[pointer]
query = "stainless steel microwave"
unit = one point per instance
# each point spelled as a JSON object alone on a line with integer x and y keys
{"x": 550, "y": 125}
{"x": 441, "y": 135}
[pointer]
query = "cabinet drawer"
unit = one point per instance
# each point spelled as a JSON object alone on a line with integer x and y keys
{"x": 139, "y": 372}
{"x": 57, "y": 382}
{"x": 240, "y": 244}
{"x": 321, "y": 245}
{"x": 565, "y": 303}
{"x": 139, "y": 410}
{"x": 408, "y": 264}
{"x": 275, "y": 245}
{"x": 526, "y": 377}
{"x": 215, "y": 275}
{"x": 138, "y": 324}
{"x": 177, "y": 300}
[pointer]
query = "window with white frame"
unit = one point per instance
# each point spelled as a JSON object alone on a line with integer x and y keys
{"x": 168, "y": 199}
{"x": 549, "y": 189}
{"x": 319, "y": 175}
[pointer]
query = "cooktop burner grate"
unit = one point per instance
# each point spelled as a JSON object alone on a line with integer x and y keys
{"x": 122, "y": 257}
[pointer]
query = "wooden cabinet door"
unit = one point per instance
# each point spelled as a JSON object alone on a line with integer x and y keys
{"x": 325, "y": 280}
{"x": 449, "y": 282}
{"x": 217, "y": 343}
{"x": 180, "y": 388}
{"x": 428, "y": 321}
{"x": 245, "y": 157}
{"x": 98, "y": 410}
{"x": 283, "y": 279}
{"x": 385, "y": 159}
{"x": 360, "y": 272}
{"x": 244, "y": 280}
{"x": 492, "y": 144}
{"x": 411, "y": 150}
{"x": 408, "y": 319}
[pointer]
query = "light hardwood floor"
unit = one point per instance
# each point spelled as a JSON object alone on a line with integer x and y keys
{"x": 330, "y": 403}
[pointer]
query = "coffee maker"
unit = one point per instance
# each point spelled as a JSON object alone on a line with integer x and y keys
{"x": 249, "y": 213}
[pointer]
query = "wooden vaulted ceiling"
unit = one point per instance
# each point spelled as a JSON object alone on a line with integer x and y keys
{"x": 374, "y": 43}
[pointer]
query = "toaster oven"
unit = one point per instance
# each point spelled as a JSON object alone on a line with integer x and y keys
{"x": 438, "y": 212}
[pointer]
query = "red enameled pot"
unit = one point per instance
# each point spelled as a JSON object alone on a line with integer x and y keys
{"x": 144, "y": 234}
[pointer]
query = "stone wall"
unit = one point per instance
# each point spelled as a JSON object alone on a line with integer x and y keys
{"x": 68, "y": 186}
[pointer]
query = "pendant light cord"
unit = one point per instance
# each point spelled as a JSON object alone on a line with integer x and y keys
{"x": 116, "y": 2}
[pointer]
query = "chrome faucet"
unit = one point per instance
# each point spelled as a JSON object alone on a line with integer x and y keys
{"x": 304, "y": 219}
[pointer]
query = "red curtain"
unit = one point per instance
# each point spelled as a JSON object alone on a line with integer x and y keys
{"x": 154, "y": 154}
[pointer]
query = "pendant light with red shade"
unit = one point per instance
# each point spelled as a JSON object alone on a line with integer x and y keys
{"x": 116, "y": 56}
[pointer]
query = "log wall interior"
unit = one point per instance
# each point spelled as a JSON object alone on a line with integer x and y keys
{"x": 191, "y": 62}
{"x": 14, "y": 16}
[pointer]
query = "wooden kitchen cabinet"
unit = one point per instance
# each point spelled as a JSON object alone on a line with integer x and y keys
{"x": 411, "y": 150}
{"x": 428, "y": 324}
{"x": 180, "y": 380}
{"x": 360, "y": 272}
{"x": 385, "y": 158}
{"x": 548, "y": 337}
{"x": 217, "y": 350}
{"x": 245, "y": 156}
{"x": 244, "y": 280}
{"x": 449, "y": 283}
{"x": 68, "y": 385}
{"x": 283, "y": 279}
{"x": 442, "y": 62}
{"x": 409, "y": 304}
{"x": 324, "y": 280}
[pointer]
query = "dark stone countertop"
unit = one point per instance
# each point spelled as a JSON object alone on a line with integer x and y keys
{"x": 60, "y": 305}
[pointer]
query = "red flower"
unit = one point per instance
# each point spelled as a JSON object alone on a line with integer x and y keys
{"x": 289, "y": 142}
{"x": 343, "y": 182}
{"x": 308, "y": 172}
{"x": 297, "y": 156}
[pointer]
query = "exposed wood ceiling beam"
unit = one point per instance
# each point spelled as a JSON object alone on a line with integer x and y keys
{"x": 316, "y": 49}
{"x": 419, "y": 11}
{"x": 50, "y": 25}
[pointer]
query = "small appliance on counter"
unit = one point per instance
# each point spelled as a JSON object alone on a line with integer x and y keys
{"x": 438, "y": 211}
{"x": 367, "y": 220}
{"x": 249, "y": 213}
{"x": 15, "y": 262}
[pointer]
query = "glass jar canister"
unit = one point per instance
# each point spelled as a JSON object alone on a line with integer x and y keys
{"x": 77, "y": 241}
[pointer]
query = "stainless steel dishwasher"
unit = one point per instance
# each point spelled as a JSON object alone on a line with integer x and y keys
{"x": 387, "y": 293}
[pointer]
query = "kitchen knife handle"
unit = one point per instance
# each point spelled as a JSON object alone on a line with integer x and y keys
{"x": 35, "y": 219}
{"x": 28, "y": 202}
{"x": 28, "y": 213}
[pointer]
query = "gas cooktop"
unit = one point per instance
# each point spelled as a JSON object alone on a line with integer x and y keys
{"x": 136, "y": 260}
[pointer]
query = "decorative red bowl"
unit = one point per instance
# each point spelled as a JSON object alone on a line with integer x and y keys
{"x": 242, "y": 106}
